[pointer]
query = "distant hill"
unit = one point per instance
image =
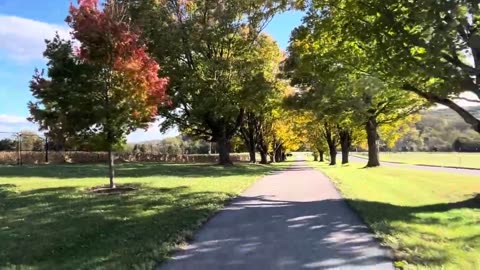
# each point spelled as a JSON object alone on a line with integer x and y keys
{"x": 441, "y": 130}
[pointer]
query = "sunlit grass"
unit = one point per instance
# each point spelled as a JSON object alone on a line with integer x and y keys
{"x": 453, "y": 159}
{"x": 48, "y": 219}
{"x": 430, "y": 219}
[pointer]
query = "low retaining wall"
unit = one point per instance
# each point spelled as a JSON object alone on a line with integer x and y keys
{"x": 101, "y": 157}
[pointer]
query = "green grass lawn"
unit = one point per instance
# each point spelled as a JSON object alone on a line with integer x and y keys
{"x": 465, "y": 160}
{"x": 430, "y": 219}
{"x": 48, "y": 219}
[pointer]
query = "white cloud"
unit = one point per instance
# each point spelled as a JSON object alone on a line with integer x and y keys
{"x": 11, "y": 124}
{"x": 152, "y": 133}
{"x": 12, "y": 119}
{"x": 22, "y": 39}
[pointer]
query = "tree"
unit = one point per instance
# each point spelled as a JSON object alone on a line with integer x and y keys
{"x": 204, "y": 48}
{"x": 392, "y": 133}
{"x": 31, "y": 141}
{"x": 378, "y": 105}
{"x": 118, "y": 85}
{"x": 262, "y": 76}
{"x": 314, "y": 133}
{"x": 287, "y": 133}
{"x": 336, "y": 78}
{"x": 7, "y": 145}
{"x": 430, "y": 48}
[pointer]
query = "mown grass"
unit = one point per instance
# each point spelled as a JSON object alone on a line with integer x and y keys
{"x": 430, "y": 219}
{"x": 48, "y": 219}
{"x": 452, "y": 159}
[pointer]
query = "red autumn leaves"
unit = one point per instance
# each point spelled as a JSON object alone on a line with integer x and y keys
{"x": 107, "y": 41}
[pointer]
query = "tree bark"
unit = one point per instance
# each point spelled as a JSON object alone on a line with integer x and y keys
{"x": 249, "y": 134}
{"x": 263, "y": 157}
{"x": 315, "y": 157}
{"x": 345, "y": 153}
{"x": 251, "y": 147}
{"x": 333, "y": 155}
{"x": 321, "y": 156}
{"x": 278, "y": 154}
{"x": 111, "y": 170}
{"x": 223, "y": 144}
{"x": 372, "y": 138}
{"x": 253, "y": 157}
{"x": 263, "y": 149}
{"x": 345, "y": 144}
{"x": 250, "y": 144}
{"x": 331, "y": 142}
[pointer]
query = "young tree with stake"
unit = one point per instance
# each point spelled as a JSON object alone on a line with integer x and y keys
{"x": 120, "y": 90}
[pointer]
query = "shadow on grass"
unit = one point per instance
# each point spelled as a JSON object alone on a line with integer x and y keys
{"x": 132, "y": 170}
{"x": 328, "y": 234}
{"x": 425, "y": 227}
{"x": 67, "y": 228}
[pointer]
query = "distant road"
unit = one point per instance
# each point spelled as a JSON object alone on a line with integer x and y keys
{"x": 419, "y": 167}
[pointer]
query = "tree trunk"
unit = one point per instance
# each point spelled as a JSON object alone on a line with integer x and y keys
{"x": 321, "y": 156}
{"x": 333, "y": 155}
{"x": 263, "y": 149}
{"x": 331, "y": 142}
{"x": 223, "y": 145}
{"x": 315, "y": 157}
{"x": 248, "y": 133}
{"x": 111, "y": 170}
{"x": 278, "y": 154}
{"x": 263, "y": 157}
{"x": 253, "y": 157}
{"x": 372, "y": 138}
{"x": 345, "y": 144}
{"x": 345, "y": 154}
{"x": 250, "y": 144}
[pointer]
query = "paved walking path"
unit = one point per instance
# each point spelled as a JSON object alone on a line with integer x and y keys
{"x": 293, "y": 219}
{"x": 418, "y": 167}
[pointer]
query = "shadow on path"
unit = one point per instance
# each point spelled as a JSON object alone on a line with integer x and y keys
{"x": 291, "y": 220}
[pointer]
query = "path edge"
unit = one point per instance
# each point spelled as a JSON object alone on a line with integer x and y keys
{"x": 388, "y": 249}
{"x": 187, "y": 239}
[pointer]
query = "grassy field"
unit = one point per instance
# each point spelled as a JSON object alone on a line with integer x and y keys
{"x": 49, "y": 219}
{"x": 430, "y": 219}
{"x": 465, "y": 160}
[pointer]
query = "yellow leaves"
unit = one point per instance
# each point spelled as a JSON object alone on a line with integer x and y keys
{"x": 391, "y": 133}
{"x": 417, "y": 52}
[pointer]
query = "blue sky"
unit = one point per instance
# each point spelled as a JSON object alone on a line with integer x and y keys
{"x": 23, "y": 27}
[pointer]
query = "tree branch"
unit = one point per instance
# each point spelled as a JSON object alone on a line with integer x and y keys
{"x": 466, "y": 115}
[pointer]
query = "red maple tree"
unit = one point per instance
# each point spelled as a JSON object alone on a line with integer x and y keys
{"x": 130, "y": 88}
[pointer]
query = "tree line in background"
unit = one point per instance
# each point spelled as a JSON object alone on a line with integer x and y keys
{"x": 355, "y": 73}
{"x": 432, "y": 130}
{"x": 373, "y": 64}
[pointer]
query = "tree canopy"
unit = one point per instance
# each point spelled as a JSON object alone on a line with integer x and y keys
{"x": 109, "y": 85}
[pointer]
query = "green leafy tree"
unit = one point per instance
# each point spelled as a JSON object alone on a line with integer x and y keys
{"x": 334, "y": 76}
{"x": 261, "y": 77}
{"x": 204, "y": 47}
{"x": 7, "y": 145}
{"x": 376, "y": 106}
{"x": 430, "y": 48}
